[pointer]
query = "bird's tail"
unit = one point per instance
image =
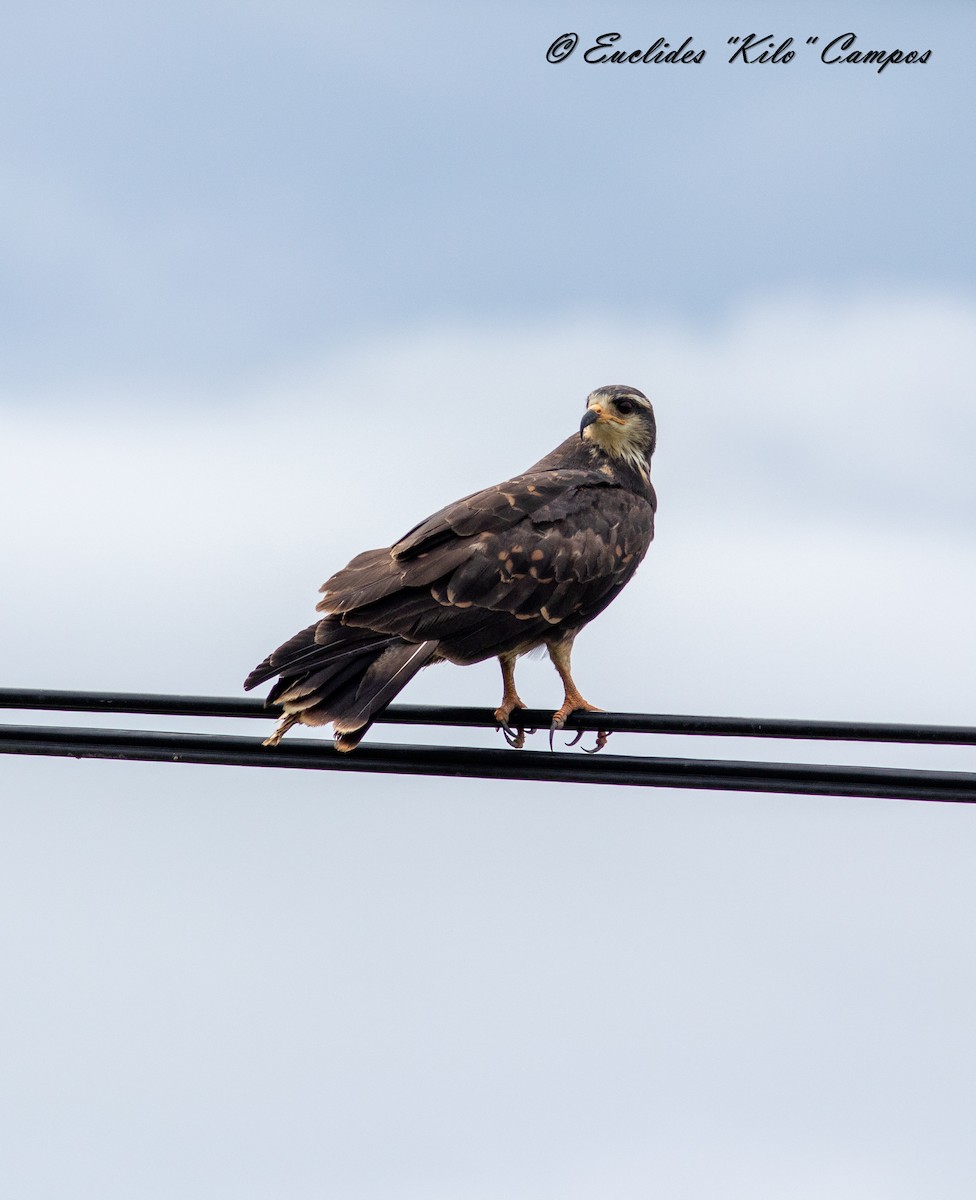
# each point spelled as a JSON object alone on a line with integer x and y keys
{"x": 331, "y": 672}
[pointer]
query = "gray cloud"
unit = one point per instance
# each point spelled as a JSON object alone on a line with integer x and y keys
{"x": 206, "y": 194}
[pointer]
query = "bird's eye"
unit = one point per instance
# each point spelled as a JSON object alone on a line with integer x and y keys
{"x": 625, "y": 406}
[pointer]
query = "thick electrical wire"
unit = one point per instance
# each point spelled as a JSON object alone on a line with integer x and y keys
{"x": 481, "y": 763}
{"x": 463, "y": 717}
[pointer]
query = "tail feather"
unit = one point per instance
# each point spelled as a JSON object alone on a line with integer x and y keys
{"x": 330, "y": 672}
{"x": 384, "y": 678}
{"x": 326, "y": 640}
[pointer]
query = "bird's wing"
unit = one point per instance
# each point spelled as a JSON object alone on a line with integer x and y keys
{"x": 502, "y": 567}
{"x": 491, "y": 510}
{"x": 446, "y": 539}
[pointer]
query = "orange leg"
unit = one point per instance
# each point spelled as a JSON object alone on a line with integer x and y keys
{"x": 511, "y": 700}
{"x": 560, "y": 653}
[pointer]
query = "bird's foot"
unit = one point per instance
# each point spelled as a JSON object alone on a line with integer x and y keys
{"x": 285, "y": 723}
{"x": 514, "y": 737}
{"x": 571, "y": 705}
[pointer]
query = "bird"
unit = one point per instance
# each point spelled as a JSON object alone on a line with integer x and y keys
{"x": 506, "y": 570}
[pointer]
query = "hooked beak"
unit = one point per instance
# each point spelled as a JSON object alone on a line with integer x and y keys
{"x": 590, "y": 417}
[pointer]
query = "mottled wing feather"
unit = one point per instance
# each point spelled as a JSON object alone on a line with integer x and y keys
{"x": 481, "y": 593}
{"x": 489, "y": 511}
{"x": 376, "y": 574}
{"x": 441, "y": 542}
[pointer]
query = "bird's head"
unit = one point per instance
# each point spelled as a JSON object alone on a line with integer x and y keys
{"x": 620, "y": 421}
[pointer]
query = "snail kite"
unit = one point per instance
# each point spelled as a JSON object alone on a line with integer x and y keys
{"x": 524, "y": 564}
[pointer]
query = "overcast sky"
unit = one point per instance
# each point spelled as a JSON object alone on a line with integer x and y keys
{"x": 280, "y": 280}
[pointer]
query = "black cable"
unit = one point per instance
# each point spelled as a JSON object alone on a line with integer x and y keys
{"x": 467, "y": 762}
{"x": 464, "y": 717}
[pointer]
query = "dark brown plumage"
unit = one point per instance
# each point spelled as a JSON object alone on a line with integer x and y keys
{"x": 520, "y": 565}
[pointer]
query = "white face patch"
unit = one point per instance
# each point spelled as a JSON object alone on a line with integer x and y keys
{"x": 620, "y": 437}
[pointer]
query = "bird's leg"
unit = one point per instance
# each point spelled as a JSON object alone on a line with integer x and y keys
{"x": 285, "y": 723}
{"x": 560, "y": 653}
{"x": 510, "y": 701}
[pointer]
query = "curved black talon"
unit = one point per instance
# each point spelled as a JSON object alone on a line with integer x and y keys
{"x": 514, "y": 735}
{"x": 602, "y": 738}
{"x": 575, "y": 739}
